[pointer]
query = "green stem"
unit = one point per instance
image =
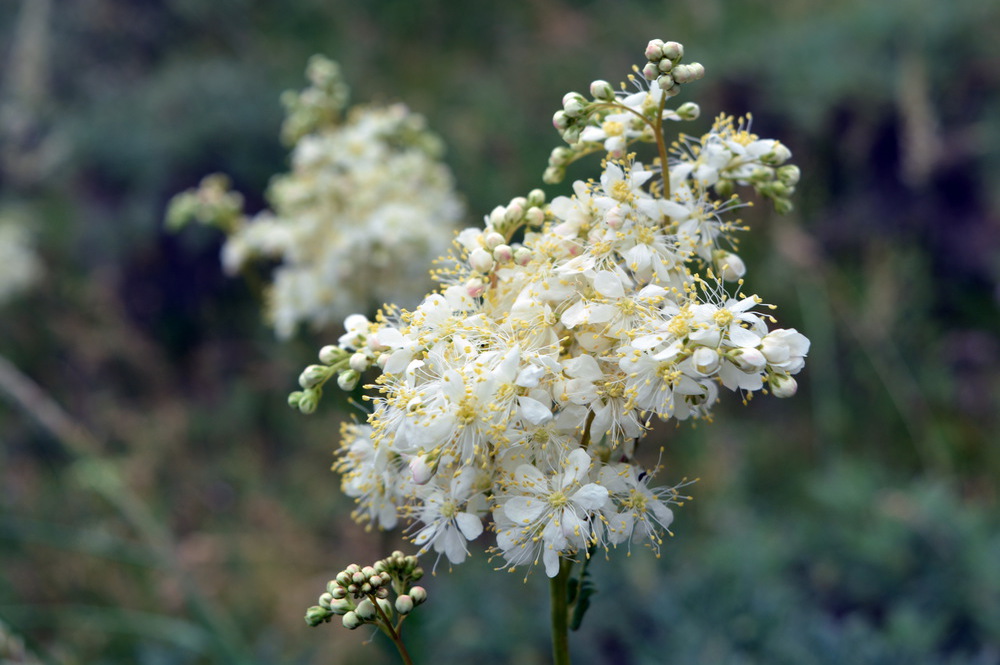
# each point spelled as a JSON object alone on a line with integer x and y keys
{"x": 387, "y": 628}
{"x": 558, "y": 596}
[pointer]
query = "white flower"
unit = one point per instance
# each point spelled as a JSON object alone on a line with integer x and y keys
{"x": 551, "y": 514}
{"x": 450, "y": 517}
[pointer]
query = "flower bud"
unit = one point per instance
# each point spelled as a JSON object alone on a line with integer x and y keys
{"x": 386, "y": 607}
{"x": 503, "y": 253}
{"x": 336, "y": 591}
{"x": 293, "y": 399}
{"x": 654, "y": 49}
{"x": 475, "y": 288}
{"x": 515, "y": 211}
{"x": 496, "y": 216}
{"x": 404, "y": 604}
{"x": 553, "y": 175}
{"x": 309, "y": 400}
{"x": 421, "y": 469}
{"x": 779, "y": 154}
{"x": 535, "y": 216}
{"x": 313, "y": 376}
{"x": 665, "y": 82}
{"x": 750, "y": 360}
{"x": 522, "y": 256}
{"x": 689, "y": 111}
{"x": 650, "y": 71}
{"x": 480, "y": 260}
{"x": 352, "y": 620}
{"x": 731, "y": 266}
{"x": 341, "y": 605}
{"x": 418, "y": 594}
{"x": 602, "y": 91}
{"x": 492, "y": 239}
{"x": 571, "y": 135}
{"x": 358, "y": 362}
{"x": 365, "y": 610}
{"x": 348, "y": 380}
{"x": 560, "y": 156}
{"x": 560, "y": 120}
{"x": 535, "y": 198}
{"x": 382, "y": 591}
{"x": 330, "y": 354}
{"x": 665, "y": 65}
{"x": 783, "y": 385}
{"x": 573, "y": 104}
{"x": 325, "y": 599}
{"x": 705, "y": 360}
{"x": 343, "y": 578}
{"x": 672, "y": 50}
{"x": 316, "y": 615}
{"x": 789, "y": 175}
{"x": 357, "y": 577}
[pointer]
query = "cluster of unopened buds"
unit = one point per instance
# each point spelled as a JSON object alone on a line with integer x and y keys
{"x": 382, "y": 594}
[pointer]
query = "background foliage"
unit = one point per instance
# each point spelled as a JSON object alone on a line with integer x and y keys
{"x": 175, "y": 511}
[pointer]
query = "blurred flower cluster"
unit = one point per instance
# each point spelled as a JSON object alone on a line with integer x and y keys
{"x": 20, "y": 266}
{"x": 521, "y": 387}
{"x": 366, "y": 206}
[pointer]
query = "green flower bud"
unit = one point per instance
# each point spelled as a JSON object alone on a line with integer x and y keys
{"x": 347, "y": 380}
{"x": 789, "y": 175}
{"x": 293, "y": 399}
{"x": 316, "y": 615}
{"x": 553, "y": 175}
{"x": 689, "y": 111}
{"x": 536, "y": 197}
{"x": 574, "y": 104}
{"x": 665, "y": 81}
{"x": 341, "y": 606}
{"x": 404, "y": 604}
{"x": 365, "y": 610}
{"x": 309, "y": 400}
{"x": 352, "y": 620}
{"x": 665, "y": 65}
{"x": 325, "y": 599}
{"x": 330, "y": 354}
{"x": 313, "y": 375}
{"x": 338, "y": 592}
{"x": 783, "y": 206}
{"x": 343, "y": 578}
{"x": 386, "y": 607}
{"x": 782, "y": 386}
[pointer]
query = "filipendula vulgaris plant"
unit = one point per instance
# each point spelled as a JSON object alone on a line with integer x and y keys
{"x": 367, "y": 203}
{"x": 512, "y": 398}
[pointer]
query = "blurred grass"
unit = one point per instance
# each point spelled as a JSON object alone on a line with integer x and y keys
{"x": 855, "y": 523}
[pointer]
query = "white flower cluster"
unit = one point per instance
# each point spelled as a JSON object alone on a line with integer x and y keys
{"x": 20, "y": 266}
{"x": 366, "y": 206}
{"x": 518, "y": 391}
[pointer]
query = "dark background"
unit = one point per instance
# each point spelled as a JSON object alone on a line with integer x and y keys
{"x": 174, "y": 510}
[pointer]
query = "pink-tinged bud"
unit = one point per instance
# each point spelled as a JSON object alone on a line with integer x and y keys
{"x": 503, "y": 254}
{"x": 418, "y": 594}
{"x": 421, "y": 470}
{"x": 475, "y": 288}
{"x": 522, "y": 256}
{"x": 515, "y": 211}
{"x": 673, "y": 50}
{"x": 654, "y": 49}
{"x": 352, "y": 620}
{"x": 650, "y": 71}
{"x": 497, "y": 215}
{"x": 614, "y": 218}
{"x": 404, "y": 604}
{"x": 665, "y": 65}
